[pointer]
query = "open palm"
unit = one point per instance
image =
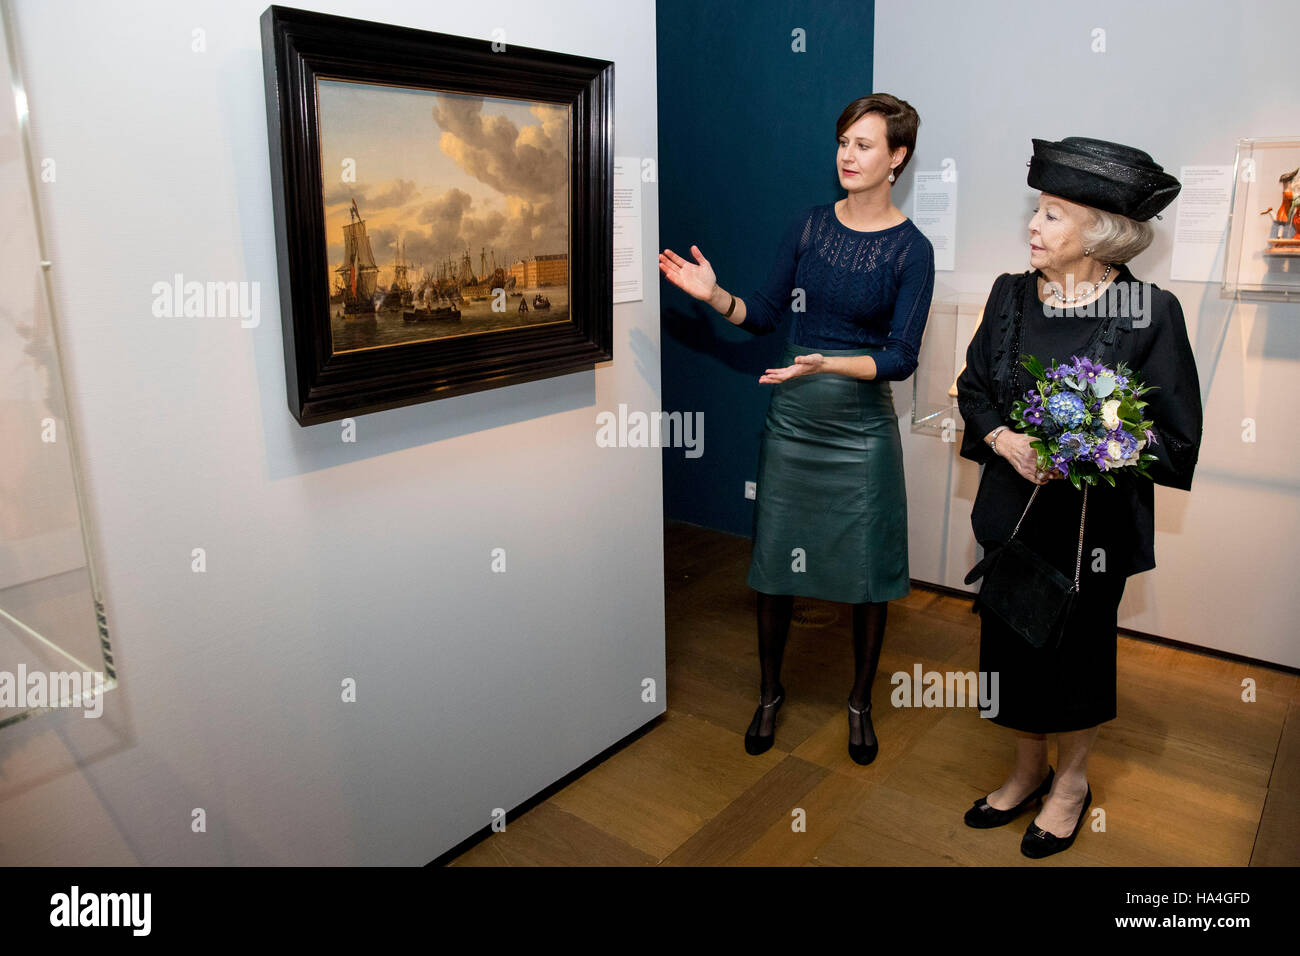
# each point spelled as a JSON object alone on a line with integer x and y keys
{"x": 803, "y": 365}
{"x": 696, "y": 279}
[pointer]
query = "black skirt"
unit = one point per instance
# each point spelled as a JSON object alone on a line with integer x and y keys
{"x": 1071, "y": 686}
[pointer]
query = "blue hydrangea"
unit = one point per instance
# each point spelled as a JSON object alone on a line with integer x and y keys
{"x": 1067, "y": 408}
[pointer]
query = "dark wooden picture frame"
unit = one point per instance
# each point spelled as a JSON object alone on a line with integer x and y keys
{"x": 300, "y": 47}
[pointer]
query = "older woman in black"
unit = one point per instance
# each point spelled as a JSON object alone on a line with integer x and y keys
{"x": 1094, "y": 203}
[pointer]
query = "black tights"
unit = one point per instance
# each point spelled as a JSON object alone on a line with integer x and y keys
{"x": 774, "y": 611}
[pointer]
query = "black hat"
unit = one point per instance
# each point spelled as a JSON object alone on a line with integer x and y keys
{"x": 1093, "y": 172}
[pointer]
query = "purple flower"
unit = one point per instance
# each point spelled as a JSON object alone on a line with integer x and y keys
{"x": 1086, "y": 368}
{"x": 1034, "y": 414}
{"x": 1061, "y": 463}
{"x": 1127, "y": 443}
{"x": 1151, "y": 437}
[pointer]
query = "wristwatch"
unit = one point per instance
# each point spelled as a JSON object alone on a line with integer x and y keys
{"x": 993, "y": 439}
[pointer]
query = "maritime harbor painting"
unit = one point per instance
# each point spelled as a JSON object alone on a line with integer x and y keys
{"x": 445, "y": 214}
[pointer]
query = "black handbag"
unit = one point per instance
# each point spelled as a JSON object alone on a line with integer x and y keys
{"x": 1026, "y": 592}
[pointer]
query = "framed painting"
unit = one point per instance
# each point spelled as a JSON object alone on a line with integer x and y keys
{"x": 443, "y": 212}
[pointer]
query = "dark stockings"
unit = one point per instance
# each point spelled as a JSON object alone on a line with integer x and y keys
{"x": 774, "y": 612}
{"x": 868, "y": 636}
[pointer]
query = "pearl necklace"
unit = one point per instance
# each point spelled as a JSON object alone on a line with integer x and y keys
{"x": 1052, "y": 286}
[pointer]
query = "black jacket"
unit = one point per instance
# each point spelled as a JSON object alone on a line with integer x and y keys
{"x": 1151, "y": 337}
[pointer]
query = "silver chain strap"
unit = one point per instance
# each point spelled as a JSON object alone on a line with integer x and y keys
{"x": 1078, "y": 562}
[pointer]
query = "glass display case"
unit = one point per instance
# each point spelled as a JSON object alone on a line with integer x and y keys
{"x": 1262, "y": 260}
{"x": 54, "y": 648}
{"x": 948, "y": 331}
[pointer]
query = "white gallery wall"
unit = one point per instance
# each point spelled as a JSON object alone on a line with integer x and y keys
{"x": 325, "y": 560}
{"x": 1183, "y": 80}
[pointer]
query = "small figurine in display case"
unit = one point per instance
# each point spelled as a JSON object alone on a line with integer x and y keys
{"x": 1284, "y": 236}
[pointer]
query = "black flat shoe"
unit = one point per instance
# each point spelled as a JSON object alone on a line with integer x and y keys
{"x": 983, "y": 817}
{"x": 862, "y": 753}
{"x": 1038, "y": 843}
{"x": 754, "y": 742}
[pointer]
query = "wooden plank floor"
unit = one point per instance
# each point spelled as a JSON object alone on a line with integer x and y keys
{"x": 1188, "y": 774}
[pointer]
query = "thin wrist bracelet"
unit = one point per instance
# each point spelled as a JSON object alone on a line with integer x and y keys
{"x": 731, "y": 308}
{"x": 993, "y": 441}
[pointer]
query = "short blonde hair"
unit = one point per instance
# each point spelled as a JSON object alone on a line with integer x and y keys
{"x": 1116, "y": 238}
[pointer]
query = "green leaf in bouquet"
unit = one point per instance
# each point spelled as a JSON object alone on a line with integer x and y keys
{"x": 1074, "y": 479}
{"x": 1103, "y": 386}
{"x": 1109, "y": 478}
{"x": 1033, "y": 366}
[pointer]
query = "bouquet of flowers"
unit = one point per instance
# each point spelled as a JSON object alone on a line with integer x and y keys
{"x": 1085, "y": 419}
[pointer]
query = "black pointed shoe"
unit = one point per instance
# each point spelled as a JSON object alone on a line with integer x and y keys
{"x": 983, "y": 817}
{"x": 1038, "y": 843}
{"x": 862, "y": 753}
{"x": 755, "y": 743}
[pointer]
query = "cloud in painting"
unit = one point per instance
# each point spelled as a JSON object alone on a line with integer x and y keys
{"x": 530, "y": 162}
{"x": 527, "y": 164}
{"x": 386, "y": 195}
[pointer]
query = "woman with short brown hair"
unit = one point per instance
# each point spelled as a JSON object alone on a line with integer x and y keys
{"x": 830, "y": 520}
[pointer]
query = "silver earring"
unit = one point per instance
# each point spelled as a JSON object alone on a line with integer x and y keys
{"x": 891, "y": 176}
{"x": 1088, "y": 251}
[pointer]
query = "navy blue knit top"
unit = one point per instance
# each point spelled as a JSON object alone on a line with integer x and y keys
{"x": 861, "y": 289}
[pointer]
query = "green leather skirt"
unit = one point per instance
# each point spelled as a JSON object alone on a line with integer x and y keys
{"x": 830, "y": 518}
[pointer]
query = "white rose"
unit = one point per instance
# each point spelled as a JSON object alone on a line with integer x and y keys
{"x": 1114, "y": 450}
{"x": 1110, "y": 413}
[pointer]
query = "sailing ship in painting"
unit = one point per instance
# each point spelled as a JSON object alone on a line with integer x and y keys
{"x": 428, "y": 297}
{"x": 399, "y": 294}
{"x": 433, "y": 303}
{"x": 358, "y": 275}
{"x": 438, "y": 298}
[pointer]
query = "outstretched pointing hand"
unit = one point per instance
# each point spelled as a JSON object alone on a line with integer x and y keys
{"x": 697, "y": 281}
